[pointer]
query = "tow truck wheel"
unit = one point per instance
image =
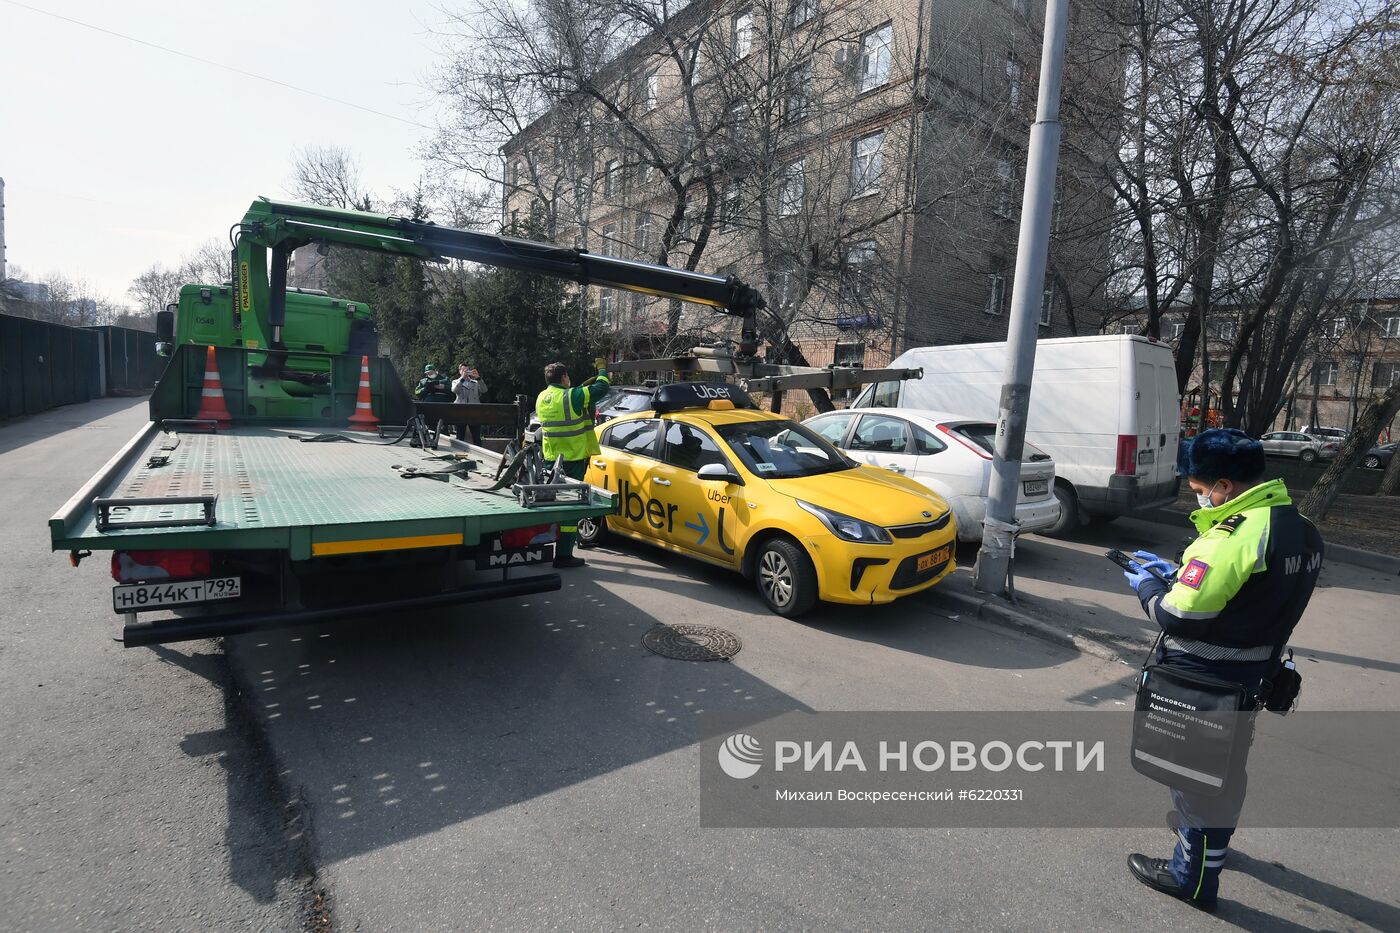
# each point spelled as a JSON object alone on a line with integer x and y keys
{"x": 591, "y": 531}
{"x": 786, "y": 578}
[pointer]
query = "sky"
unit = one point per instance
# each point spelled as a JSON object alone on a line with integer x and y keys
{"x": 117, "y": 155}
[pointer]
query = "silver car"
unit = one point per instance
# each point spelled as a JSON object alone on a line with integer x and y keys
{"x": 1306, "y": 448}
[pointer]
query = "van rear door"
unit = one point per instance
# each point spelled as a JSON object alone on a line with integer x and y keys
{"x": 1158, "y": 425}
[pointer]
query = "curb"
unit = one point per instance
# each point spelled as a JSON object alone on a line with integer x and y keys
{"x": 1359, "y": 557}
{"x": 1371, "y": 560}
{"x": 993, "y": 609}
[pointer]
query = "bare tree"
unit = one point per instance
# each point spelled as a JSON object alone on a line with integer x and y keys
{"x": 156, "y": 288}
{"x": 329, "y": 176}
{"x": 1259, "y": 148}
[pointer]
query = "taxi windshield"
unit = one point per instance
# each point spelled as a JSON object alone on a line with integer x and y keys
{"x": 782, "y": 449}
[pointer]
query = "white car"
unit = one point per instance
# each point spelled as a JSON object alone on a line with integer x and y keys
{"x": 950, "y": 454}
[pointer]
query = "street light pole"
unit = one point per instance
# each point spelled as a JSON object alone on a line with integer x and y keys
{"x": 999, "y": 529}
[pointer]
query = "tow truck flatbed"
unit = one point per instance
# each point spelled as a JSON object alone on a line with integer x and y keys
{"x": 272, "y": 491}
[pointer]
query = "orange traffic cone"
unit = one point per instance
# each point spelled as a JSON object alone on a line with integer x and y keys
{"x": 364, "y": 414}
{"x": 212, "y": 406}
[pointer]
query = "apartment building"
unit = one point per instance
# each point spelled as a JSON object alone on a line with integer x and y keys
{"x": 860, "y": 162}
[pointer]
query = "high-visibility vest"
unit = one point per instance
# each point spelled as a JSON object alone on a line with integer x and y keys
{"x": 565, "y": 432}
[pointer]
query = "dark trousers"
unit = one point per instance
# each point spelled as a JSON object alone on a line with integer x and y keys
{"x": 568, "y": 534}
{"x": 1205, "y": 825}
{"x": 475, "y": 430}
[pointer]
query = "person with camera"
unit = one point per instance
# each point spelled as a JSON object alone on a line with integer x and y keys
{"x": 1229, "y": 609}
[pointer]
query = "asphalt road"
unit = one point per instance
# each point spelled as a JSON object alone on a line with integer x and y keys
{"x": 133, "y": 795}
{"x": 528, "y": 765}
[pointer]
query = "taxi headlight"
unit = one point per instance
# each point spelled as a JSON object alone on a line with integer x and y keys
{"x": 847, "y": 528}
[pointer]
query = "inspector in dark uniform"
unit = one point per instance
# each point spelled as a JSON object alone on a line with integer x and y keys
{"x": 1241, "y": 588}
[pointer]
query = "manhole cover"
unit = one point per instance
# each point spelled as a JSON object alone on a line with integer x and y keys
{"x": 692, "y": 642}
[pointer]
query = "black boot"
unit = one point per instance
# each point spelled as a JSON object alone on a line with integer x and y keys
{"x": 1154, "y": 873}
{"x": 568, "y": 562}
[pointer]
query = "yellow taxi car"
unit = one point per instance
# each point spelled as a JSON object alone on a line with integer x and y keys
{"x": 708, "y": 475}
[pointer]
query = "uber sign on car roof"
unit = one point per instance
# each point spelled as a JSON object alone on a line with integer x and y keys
{"x": 699, "y": 395}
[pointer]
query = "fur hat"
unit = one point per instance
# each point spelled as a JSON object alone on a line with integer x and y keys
{"x": 1221, "y": 453}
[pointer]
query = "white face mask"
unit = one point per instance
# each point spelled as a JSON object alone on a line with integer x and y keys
{"x": 1203, "y": 499}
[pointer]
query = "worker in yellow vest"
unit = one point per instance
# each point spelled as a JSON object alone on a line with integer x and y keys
{"x": 565, "y": 412}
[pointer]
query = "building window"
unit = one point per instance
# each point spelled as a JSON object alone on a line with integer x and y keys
{"x": 741, "y": 40}
{"x": 875, "y": 57}
{"x": 802, "y": 11}
{"x": 1047, "y": 305}
{"x": 1384, "y": 376}
{"x": 1013, "y": 82}
{"x": 792, "y": 188}
{"x": 1334, "y": 328}
{"x": 1217, "y": 370}
{"x": 729, "y": 206}
{"x": 607, "y": 307}
{"x": 651, "y": 91}
{"x": 782, "y": 283}
{"x": 612, "y": 179}
{"x": 643, "y": 233}
{"x": 849, "y": 353}
{"x": 860, "y": 267}
{"x": 867, "y": 162}
{"x": 1390, "y": 327}
{"x": 996, "y": 293}
{"x": 1175, "y": 330}
{"x": 736, "y": 120}
{"x": 1325, "y": 373}
{"x": 1003, "y": 190}
{"x": 1130, "y": 328}
{"x": 795, "y": 92}
{"x": 1227, "y": 328}
{"x": 609, "y": 235}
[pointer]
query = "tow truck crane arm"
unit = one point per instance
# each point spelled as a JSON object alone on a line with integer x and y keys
{"x": 282, "y": 226}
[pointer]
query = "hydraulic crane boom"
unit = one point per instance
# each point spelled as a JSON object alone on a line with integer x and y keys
{"x": 279, "y": 227}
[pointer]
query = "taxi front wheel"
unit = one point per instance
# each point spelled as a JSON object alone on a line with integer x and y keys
{"x": 786, "y": 578}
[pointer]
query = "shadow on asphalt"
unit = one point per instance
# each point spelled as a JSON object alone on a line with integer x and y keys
{"x": 1348, "y": 903}
{"x": 403, "y": 726}
{"x": 21, "y": 432}
{"x": 264, "y": 835}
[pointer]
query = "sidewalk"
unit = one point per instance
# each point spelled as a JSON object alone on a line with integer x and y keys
{"x": 1068, "y": 593}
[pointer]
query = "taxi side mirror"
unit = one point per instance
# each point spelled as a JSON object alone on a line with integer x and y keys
{"x": 719, "y": 473}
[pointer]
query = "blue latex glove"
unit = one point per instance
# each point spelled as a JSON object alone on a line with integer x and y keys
{"x": 1147, "y": 559}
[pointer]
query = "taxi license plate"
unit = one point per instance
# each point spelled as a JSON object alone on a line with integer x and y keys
{"x": 1036, "y": 487}
{"x": 932, "y": 559}
{"x": 138, "y": 597}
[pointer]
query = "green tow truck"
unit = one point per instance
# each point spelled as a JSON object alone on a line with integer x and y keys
{"x": 281, "y": 516}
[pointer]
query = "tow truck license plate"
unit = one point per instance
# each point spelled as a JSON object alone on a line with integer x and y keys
{"x": 932, "y": 559}
{"x": 136, "y": 597}
{"x": 1036, "y": 487}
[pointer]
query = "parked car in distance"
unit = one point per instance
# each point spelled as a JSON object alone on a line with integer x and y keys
{"x": 1306, "y": 448}
{"x": 1326, "y": 433}
{"x": 949, "y": 454}
{"x": 1378, "y": 457}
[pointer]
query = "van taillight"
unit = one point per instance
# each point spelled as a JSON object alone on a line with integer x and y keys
{"x": 140, "y": 566}
{"x": 524, "y": 537}
{"x": 1127, "y": 455}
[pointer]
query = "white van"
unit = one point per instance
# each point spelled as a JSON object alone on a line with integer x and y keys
{"x": 1106, "y": 409}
